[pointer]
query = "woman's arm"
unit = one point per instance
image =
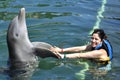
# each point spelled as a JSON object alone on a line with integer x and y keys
{"x": 75, "y": 49}
{"x": 71, "y": 49}
{"x": 91, "y": 54}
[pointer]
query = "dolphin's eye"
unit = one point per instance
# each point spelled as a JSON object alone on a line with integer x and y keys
{"x": 17, "y": 34}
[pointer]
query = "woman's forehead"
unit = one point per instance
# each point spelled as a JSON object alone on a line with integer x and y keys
{"x": 95, "y": 35}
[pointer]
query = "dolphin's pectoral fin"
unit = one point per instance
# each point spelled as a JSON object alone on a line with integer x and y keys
{"x": 42, "y": 50}
{"x": 42, "y": 45}
{"x": 43, "y": 53}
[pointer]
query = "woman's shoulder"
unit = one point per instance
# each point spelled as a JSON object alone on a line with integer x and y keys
{"x": 88, "y": 47}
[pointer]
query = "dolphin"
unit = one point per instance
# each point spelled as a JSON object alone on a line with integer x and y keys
{"x": 22, "y": 52}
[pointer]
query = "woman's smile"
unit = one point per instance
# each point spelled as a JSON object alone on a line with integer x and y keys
{"x": 95, "y": 40}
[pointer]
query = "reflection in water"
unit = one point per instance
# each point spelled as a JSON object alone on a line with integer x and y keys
{"x": 81, "y": 75}
{"x": 99, "y": 16}
{"x": 98, "y": 74}
{"x": 6, "y": 16}
{"x": 49, "y": 15}
{"x": 92, "y": 69}
{"x": 22, "y": 71}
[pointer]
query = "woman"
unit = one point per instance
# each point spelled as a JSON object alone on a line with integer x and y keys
{"x": 99, "y": 49}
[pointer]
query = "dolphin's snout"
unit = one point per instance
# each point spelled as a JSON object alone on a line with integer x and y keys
{"x": 21, "y": 16}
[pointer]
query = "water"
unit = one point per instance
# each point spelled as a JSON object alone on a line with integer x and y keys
{"x": 63, "y": 23}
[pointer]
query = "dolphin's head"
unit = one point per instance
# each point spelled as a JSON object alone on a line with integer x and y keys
{"x": 18, "y": 41}
{"x": 17, "y": 31}
{"x": 19, "y": 46}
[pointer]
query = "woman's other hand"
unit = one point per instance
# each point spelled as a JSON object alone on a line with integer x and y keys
{"x": 55, "y": 49}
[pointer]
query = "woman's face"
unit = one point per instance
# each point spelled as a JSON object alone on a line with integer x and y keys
{"x": 95, "y": 40}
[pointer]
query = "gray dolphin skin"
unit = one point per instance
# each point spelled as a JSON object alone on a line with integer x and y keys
{"x": 22, "y": 52}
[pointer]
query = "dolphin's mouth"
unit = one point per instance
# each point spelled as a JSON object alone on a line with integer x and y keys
{"x": 21, "y": 16}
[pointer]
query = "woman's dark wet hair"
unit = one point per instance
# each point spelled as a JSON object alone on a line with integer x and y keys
{"x": 101, "y": 33}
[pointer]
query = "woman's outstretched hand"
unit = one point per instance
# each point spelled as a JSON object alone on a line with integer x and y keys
{"x": 59, "y": 55}
{"x": 56, "y": 51}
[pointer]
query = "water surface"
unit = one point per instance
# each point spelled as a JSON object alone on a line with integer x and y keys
{"x": 63, "y": 23}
